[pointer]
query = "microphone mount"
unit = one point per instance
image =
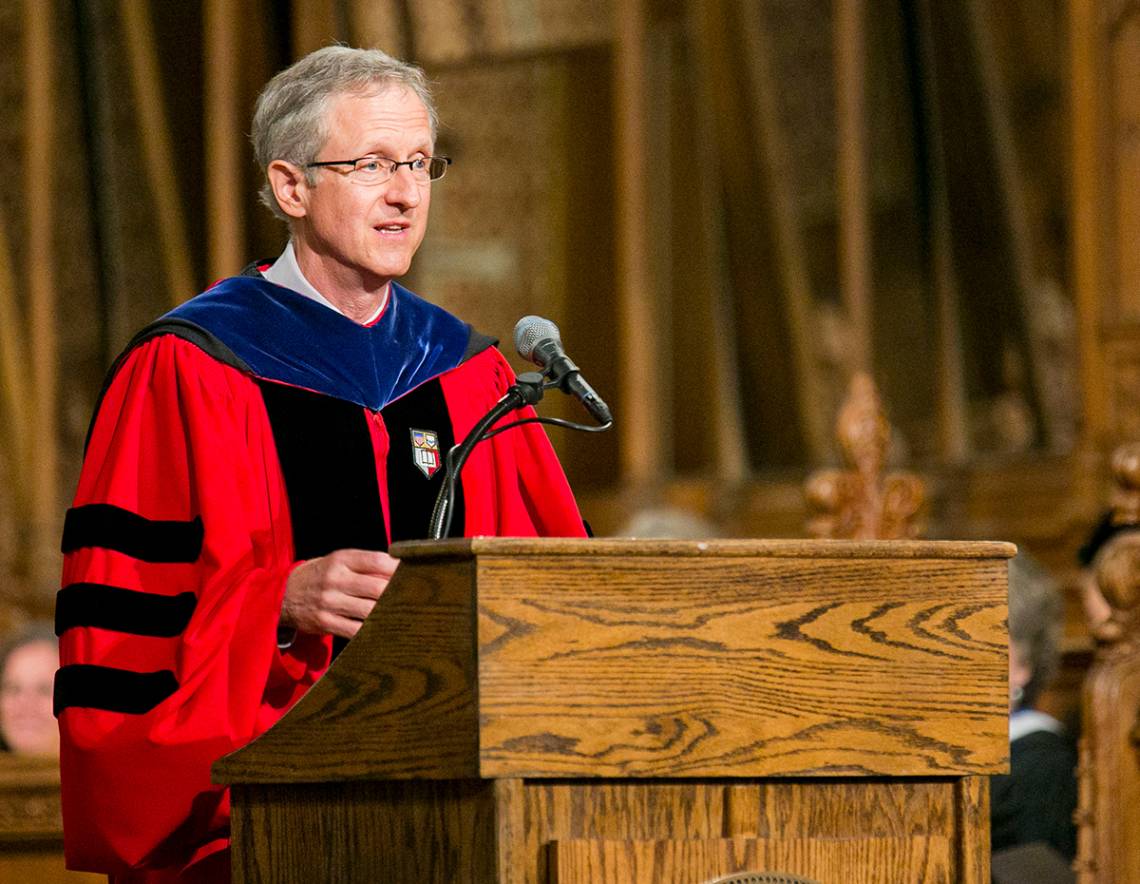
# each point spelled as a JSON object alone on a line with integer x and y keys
{"x": 528, "y": 389}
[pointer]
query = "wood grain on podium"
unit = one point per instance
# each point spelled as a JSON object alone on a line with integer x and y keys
{"x": 526, "y": 711}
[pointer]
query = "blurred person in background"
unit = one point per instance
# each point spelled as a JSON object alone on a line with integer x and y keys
{"x": 1035, "y": 801}
{"x": 27, "y": 669}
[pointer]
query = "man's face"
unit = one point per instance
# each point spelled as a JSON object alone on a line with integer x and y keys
{"x": 365, "y": 235}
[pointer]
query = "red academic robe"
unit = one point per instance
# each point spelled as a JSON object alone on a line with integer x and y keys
{"x": 177, "y": 549}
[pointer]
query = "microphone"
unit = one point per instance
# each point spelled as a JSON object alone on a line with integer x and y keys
{"x": 538, "y": 340}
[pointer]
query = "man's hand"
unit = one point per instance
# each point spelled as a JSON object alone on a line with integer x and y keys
{"x": 335, "y": 593}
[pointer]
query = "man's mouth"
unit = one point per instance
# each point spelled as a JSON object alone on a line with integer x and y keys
{"x": 391, "y": 229}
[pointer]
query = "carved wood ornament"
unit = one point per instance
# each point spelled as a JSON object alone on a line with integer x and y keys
{"x": 1108, "y": 815}
{"x": 860, "y": 502}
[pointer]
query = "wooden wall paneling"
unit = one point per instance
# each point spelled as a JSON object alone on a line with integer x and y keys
{"x": 316, "y": 23}
{"x": 1086, "y": 107}
{"x": 39, "y": 197}
{"x": 853, "y": 176}
{"x": 771, "y": 147}
{"x": 225, "y": 121}
{"x": 641, "y": 422}
{"x": 159, "y": 159}
{"x": 953, "y": 421}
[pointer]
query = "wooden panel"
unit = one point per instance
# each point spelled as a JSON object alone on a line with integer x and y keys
{"x": 365, "y": 833}
{"x": 467, "y": 831}
{"x": 743, "y": 667}
{"x": 614, "y": 810}
{"x": 43, "y": 867}
{"x": 852, "y": 862}
{"x": 29, "y": 800}
{"x": 847, "y": 808}
{"x": 685, "y": 818}
{"x": 383, "y": 695}
{"x": 31, "y": 827}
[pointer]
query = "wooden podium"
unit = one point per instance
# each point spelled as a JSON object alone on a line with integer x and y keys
{"x": 667, "y": 711}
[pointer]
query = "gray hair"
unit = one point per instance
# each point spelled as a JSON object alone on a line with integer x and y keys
{"x": 1034, "y": 621}
{"x": 289, "y": 121}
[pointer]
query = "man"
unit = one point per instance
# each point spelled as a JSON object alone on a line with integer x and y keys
{"x": 253, "y": 454}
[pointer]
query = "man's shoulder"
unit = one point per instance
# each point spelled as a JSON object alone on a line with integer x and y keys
{"x": 414, "y": 314}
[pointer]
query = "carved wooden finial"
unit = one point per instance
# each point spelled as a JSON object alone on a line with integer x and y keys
{"x": 1108, "y": 818}
{"x": 1126, "y": 485}
{"x": 1118, "y": 563}
{"x": 860, "y": 502}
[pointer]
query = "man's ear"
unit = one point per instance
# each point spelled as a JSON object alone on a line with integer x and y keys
{"x": 289, "y": 187}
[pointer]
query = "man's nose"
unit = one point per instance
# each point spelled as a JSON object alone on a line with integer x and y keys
{"x": 403, "y": 189}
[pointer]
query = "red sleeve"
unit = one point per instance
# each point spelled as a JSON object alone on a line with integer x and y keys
{"x": 513, "y": 484}
{"x": 180, "y": 527}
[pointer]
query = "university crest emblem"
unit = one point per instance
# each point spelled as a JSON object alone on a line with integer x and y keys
{"x": 425, "y": 451}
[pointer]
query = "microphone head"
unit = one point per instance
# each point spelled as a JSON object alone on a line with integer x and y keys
{"x": 530, "y": 330}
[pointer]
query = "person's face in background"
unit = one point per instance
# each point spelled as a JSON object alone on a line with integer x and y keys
{"x": 26, "y": 721}
{"x": 1020, "y": 672}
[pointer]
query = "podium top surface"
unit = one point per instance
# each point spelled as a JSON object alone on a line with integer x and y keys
{"x": 726, "y": 548}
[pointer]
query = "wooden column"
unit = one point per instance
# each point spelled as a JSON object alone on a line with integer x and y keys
{"x": 225, "y": 148}
{"x": 158, "y": 157}
{"x": 952, "y": 413}
{"x": 316, "y": 23}
{"x": 641, "y": 415}
{"x": 384, "y": 24}
{"x": 724, "y": 375}
{"x": 1011, "y": 200}
{"x": 1085, "y": 107}
{"x": 40, "y": 153}
{"x": 776, "y": 162}
{"x": 15, "y": 400}
{"x": 853, "y": 175}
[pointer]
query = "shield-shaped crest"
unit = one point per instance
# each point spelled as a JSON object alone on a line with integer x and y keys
{"x": 425, "y": 451}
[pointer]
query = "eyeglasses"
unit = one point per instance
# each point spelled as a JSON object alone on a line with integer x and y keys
{"x": 377, "y": 170}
